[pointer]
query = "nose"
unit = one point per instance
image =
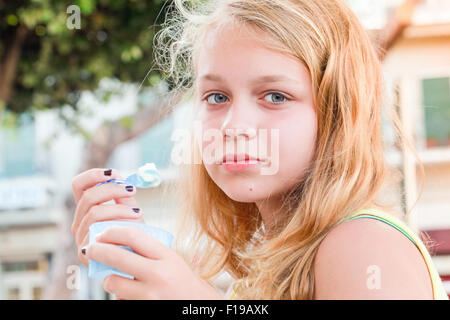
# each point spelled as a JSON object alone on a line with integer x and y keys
{"x": 237, "y": 132}
{"x": 236, "y": 124}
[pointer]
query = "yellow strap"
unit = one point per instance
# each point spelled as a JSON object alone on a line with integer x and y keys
{"x": 439, "y": 292}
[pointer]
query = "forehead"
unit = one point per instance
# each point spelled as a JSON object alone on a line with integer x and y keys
{"x": 233, "y": 50}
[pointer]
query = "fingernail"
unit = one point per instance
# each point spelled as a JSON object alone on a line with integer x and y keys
{"x": 83, "y": 251}
{"x": 129, "y": 188}
{"x": 136, "y": 210}
{"x": 107, "y": 172}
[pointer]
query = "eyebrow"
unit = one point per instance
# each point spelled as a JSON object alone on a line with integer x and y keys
{"x": 262, "y": 79}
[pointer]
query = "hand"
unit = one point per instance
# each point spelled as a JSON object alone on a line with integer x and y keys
{"x": 159, "y": 272}
{"x": 89, "y": 199}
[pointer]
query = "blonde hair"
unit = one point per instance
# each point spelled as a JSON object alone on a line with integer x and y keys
{"x": 348, "y": 168}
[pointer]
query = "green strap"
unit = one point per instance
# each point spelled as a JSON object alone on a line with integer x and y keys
{"x": 386, "y": 221}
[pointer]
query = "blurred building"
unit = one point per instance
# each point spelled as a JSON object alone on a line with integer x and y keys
{"x": 28, "y": 215}
{"x": 417, "y": 70}
{"x": 35, "y": 178}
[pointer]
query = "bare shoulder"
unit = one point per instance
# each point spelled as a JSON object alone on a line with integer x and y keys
{"x": 369, "y": 259}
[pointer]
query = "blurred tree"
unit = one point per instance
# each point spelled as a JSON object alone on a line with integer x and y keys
{"x": 44, "y": 64}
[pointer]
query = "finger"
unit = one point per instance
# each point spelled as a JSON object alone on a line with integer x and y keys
{"x": 97, "y": 195}
{"x": 128, "y": 289}
{"x": 122, "y": 259}
{"x": 105, "y": 212}
{"x": 131, "y": 201}
{"x": 137, "y": 239}
{"x": 90, "y": 178}
{"x": 81, "y": 256}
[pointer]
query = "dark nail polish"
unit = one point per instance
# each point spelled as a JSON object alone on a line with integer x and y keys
{"x": 83, "y": 251}
{"x": 136, "y": 210}
{"x": 129, "y": 188}
{"x": 107, "y": 172}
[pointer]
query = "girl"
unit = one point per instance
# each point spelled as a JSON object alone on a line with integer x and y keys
{"x": 304, "y": 70}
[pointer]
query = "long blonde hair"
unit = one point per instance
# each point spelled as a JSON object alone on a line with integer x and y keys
{"x": 348, "y": 168}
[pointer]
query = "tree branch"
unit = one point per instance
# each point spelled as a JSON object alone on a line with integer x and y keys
{"x": 8, "y": 67}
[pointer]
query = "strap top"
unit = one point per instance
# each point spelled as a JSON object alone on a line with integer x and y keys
{"x": 439, "y": 292}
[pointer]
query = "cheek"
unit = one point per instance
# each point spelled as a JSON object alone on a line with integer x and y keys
{"x": 211, "y": 141}
{"x": 296, "y": 144}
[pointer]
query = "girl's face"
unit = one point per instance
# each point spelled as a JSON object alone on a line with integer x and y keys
{"x": 243, "y": 87}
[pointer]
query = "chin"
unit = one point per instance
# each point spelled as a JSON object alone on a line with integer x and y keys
{"x": 241, "y": 196}
{"x": 242, "y": 190}
{"x": 237, "y": 187}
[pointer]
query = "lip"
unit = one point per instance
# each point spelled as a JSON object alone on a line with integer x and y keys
{"x": 239, "y": 158}
{"x": 246, "y": 162}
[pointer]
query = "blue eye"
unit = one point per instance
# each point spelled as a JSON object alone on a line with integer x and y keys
{"x": 218, "y": 98}
{"x": 215, "y": 94}
{"x": 277, "y": 94}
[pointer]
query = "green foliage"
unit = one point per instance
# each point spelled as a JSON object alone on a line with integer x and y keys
{"x": 126, "y": 122}
{"x": 56, "y": 63}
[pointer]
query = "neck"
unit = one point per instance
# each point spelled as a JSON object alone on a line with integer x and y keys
{"x": 270, "y": 210}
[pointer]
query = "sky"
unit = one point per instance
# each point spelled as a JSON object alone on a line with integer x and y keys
{"x": 372, "y": 13}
